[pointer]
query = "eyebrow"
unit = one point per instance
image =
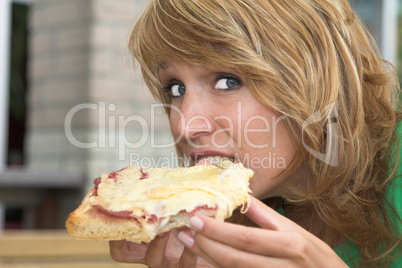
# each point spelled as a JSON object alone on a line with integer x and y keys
{"x": 163, "y": 65}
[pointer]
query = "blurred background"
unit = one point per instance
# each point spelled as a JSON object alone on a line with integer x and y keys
{"x": 72, "y": 106}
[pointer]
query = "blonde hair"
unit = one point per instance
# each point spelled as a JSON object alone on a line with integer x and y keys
{"x": 300, "y": 58}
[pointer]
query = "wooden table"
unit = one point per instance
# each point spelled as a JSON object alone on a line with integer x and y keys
{"x": 54, "y": 249}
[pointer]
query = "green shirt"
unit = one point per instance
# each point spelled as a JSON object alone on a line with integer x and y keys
{"x": 349, "y": 251}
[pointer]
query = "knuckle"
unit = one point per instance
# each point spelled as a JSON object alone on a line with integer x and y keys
{"x": 230, "y": 261}
{"x": 122, "y": 251}
{"x": 244, "y": 238}
{"x": 298, "y": 247}
{"x": 233, "y": 261}
{"x": 151, "y": 264}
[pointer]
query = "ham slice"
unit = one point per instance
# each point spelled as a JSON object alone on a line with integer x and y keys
{"x": 137, "y": 203}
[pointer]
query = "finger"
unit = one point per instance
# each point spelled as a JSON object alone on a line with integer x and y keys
{"x": 155, "y": 256}
{"x": 124, "y": 251}
{"x": 222, "y": 255}
{"x": 188, "y": 258}
{"x": 267, "y": 218}
{"x": 187, "y": 239}
{"x": 118, "y": 250}
{"x": 250, "y": 239}
{"x": 276, "y": 248}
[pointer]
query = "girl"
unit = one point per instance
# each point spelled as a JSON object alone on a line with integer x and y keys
{"x": 296, "y": 91}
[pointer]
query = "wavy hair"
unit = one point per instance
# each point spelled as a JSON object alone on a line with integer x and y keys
{"x": 308, "y": 60}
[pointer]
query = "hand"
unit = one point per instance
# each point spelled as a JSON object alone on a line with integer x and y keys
{"x": 163, "y": 251}
{"x": 279, "y": 243}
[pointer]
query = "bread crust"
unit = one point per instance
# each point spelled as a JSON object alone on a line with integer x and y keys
{"x": 91, "y": 223}
{"x": 88, "y": 223}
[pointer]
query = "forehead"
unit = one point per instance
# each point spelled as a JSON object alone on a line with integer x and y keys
{"x": 172, "y": 65}
{"x": 170, "y": 68}
{"x": 176, "y": 64}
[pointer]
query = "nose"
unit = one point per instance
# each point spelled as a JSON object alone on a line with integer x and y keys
{"x": 194, "y": 116}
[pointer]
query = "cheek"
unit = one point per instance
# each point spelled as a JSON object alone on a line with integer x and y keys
{"x": 258, "y": 129}
{"x": 267, "y": 146}
{"x": 174, "y": 121}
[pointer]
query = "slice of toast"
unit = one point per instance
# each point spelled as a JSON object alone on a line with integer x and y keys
{"x": 137, "y": 203}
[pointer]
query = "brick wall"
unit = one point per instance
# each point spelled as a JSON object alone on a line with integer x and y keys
{"x": 79, "y": 60}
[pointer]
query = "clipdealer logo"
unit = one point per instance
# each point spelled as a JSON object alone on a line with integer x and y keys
{"x": 111, "y": 133}
{"x": 111, "y": 130}
{"x": 330, "y": 156}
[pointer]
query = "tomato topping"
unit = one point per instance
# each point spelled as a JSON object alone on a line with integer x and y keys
{"x": 97, "y": 181}
{"x": 152, "y": 218}
{"x": 203, "y": 207}
{"x": 112, "y": 175}
{"x": 144, "y": 175}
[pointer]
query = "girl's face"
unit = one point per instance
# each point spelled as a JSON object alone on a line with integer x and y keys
{"x": 213, "y": 113}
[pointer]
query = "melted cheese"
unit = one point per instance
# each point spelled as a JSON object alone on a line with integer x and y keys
{"x": 166, "y": 192}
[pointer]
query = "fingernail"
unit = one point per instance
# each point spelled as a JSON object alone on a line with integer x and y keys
{"x": 186, "y": 239}
{"x": 196, "y": 223}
